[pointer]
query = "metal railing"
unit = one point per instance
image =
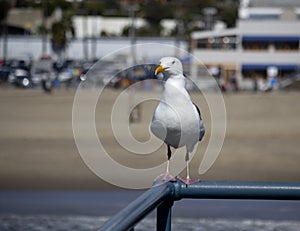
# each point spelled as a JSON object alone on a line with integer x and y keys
{"x": 163, "y": 194}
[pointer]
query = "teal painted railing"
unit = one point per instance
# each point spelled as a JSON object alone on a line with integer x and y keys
{"x": 162, "y": 196}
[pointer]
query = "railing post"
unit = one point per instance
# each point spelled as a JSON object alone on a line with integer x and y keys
{"x": 127, "y": 218}
{"x": 164, "y": 215}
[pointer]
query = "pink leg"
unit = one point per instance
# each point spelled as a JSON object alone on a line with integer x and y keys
{"x": 166, "y": 176}
{"x": 188, "y": 180}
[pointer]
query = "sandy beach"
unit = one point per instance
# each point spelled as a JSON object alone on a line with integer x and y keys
{"x": 38, "y": 150}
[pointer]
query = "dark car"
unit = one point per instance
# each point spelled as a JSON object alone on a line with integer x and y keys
{"x": 132, "y": 75}
{"x": 4, "y": 73}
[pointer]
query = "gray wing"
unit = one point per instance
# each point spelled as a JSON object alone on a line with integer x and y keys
{"x": 202, "y": 128}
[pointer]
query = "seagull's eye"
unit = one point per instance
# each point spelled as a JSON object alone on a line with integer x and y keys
{"x": 173, "y": 62}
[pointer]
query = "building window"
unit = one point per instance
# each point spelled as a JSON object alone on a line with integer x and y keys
{"x": 287, "y": 43}
{"x": 260, "y": 70}
{"x": 264, "y": 16}
{"x": 220, "y": 43}
{"x": 286, "y": 46}
{"x": 255, "y": 45}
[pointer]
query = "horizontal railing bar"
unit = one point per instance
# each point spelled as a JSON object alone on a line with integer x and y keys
{"x": 238, "y": 190}
{"x": 160, "y": 192}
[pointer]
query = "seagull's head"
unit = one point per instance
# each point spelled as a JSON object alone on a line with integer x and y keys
{"x": 170, "y": 66}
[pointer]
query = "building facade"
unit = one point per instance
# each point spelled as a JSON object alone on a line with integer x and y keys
{"x": 267, "y": 36}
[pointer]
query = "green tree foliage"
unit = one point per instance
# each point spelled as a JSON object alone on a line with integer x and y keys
{"x": 185, "y": 10}
{"x": 50, "y": 5}
{"x": 228, "y": 15}
{"x": 4, "y": 8}
{"x": 59, "y": 31}
{"x": 103, "y": 7}
{"x": 227, "y": 9}
{"x": 153, "y": 12}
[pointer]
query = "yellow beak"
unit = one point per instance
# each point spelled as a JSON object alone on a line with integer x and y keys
{"x": 159, "y": 69}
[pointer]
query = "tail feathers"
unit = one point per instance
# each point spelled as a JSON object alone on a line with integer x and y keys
{"x": 202, "y": 130}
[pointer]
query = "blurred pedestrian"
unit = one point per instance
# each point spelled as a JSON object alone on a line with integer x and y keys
{"x": 47, "y": 83}
{"x": 255, "y": 84}
{"x": 233, "y": 81}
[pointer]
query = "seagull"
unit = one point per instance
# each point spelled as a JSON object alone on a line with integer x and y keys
{"x": 176, "y": 120}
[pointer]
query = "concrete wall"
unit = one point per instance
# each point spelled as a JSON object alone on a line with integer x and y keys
{"x": 269, "y": 27}
{"x": 249, "y": 57}
{"x": 80, "y": 49}
{"x": 92, "y": 26}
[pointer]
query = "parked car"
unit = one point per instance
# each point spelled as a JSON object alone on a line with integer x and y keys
{"x": 4, "y": 73}
{"x": 42, "y": 70}
{"x": 132, "y": 75}
{"x": 20, "y": 78}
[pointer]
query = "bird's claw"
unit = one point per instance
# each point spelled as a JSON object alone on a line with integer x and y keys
{"x": 188, "y": 181}
{"x": 165, "y": 177}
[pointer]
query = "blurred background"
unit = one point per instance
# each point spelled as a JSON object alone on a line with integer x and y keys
{"x": 244, "y": 44}
{"x": 249, "y": 49}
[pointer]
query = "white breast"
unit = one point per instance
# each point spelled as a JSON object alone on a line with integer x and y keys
{"x": 175, "y": 119}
